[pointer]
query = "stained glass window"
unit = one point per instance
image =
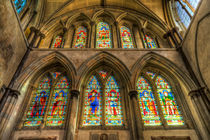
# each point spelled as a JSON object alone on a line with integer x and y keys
{"x": 93, "y": 103}
{"x": 103, "y": 35}
{"x": 113, "y": 110}
{"x": 147, "y": 103}
{"x": 19, "y": 5}
{"x": 58, "y": 105}
{"x": 126, "y": 37}
{"x": 35, "y": 114}
{"x": 57, "y": 42}
{"x": 150, "y": 74}
{"x": 51, "y": 97}
{"x": 103, "y": 73}
{"x": 80, "y": 37}
{"x": 168, "y": 103}
{"x": 150, "y": 42}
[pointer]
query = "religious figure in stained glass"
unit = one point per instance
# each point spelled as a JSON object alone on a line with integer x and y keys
{"x": 57, "y": 111}
{"x": 37, "y": 109}
{"x": 147, "y": 103}
{"x": 92, "y": 109}
{"x": 57, "y": 43}
{"x": 168, "y": 103}
{"x": 113, "y": 104}
{"x": 103, "y": 35}
{"x": 58, "y": 102}
{"x": 19, "y": 5}
{"x": 80, "y": 37}
{"x": 149, "y": 42}
{"x": 126, "y": 37}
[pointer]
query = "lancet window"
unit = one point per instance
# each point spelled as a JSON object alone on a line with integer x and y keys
{"x": 49, "y": 101}
{"x": 149, "y": 42}
{"x": 102, "y": 101}
{"x": 103, "y": 35}
{"x": 185, "y": 10}
{"x": 126, "y": 37}
{"x": 157, "y": 101}
{"x": 19, "y": 5}
{"x": 57, "y": 42}
{"x": 80, "y": 38}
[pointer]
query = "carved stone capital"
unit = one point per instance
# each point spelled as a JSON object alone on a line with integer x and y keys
{"x": 196, "y": 92}
{"x": 75, "y": 93}
{"x": 13, "y": 93}
{"x": 133, "y": 93}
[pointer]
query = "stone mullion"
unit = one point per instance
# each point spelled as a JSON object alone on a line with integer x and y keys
{"x": 103, "y": 106}
{"x": 144, "y": 34}
{"x": 157, "y": 99}
{"x": 71, "y": 125}
{"x": 189, "y": 5}
{"x": 113, "y": 36}
{"x": 183, "y": 7}
{"x": 138, "y": 123}
{"x": 71, "y": 37}
{"x": 118, "y": 35}
{"x": 92, "y": 38}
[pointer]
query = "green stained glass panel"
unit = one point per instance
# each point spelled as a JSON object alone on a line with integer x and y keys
{"x": 126, "y": 37}
{"x": 168, "y": 103}
{"x": 80, "y": 37}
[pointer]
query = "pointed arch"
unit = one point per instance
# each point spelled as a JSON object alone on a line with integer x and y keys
{"x": 103, "y": 13}
{"x": 104, "y": 58}
{"x": 54, "y": 59}
{"x": 164, "y": 64}
{"x": 77, "y": 17}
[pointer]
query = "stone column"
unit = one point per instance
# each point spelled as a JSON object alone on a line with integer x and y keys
{"x": 118, "y": 42}
{"x": 138, "y": 125}
{"x": 144, "y": 37}
{"x": 39, "y": 39}
{"x": 8, "y": 107}
{"x": 73, "y": 115}
{"x": 92, "y": 36}
{"x": 196, "y": 96}
{"x": 137, "y": 37}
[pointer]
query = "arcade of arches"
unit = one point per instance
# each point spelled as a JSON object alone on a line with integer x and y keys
{"x": 104, "y": 70}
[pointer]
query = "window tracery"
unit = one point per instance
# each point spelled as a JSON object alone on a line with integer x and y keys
{"x": 49, "y": 101}
{"x": 103, "y": 35}
{"x": 126, "y": 37}
{"x": 80, "y": 37}
{"x": 19, "y": 5}
{"x": 103, "y": 101}
{"x": 156, "y": 97}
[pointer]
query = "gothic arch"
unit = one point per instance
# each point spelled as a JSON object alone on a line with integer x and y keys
{"x": 163, "y": 64}
{"x": 103, "y": 15}
{"x": 47, "y": 61}
{"x": 75, "y": 18}
{"x": 100, "y": 59}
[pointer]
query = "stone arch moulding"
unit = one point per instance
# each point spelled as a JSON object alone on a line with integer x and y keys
{"x": 44, "y": 62}
{"x": 101, "y": 12}
{"x": 163, "y": 64}
{"x": 100, "y": 59}
{"x": 73, "y": 18}
{"x": 202, "y": 38}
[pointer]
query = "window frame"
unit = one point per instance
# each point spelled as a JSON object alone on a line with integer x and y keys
{"x": 103, "y": 82}
{"x": 174, "y": 87}
{"x": 31, "y": 91}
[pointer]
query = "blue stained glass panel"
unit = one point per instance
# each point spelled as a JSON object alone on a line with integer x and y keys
{"x": 19, "y": 5}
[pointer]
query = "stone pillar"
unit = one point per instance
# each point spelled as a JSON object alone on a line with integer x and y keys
{"x": 196, "y": 96}
{"x": 137, "y": 124}
{"x": 118, "y": 43}
{"x": 39, "y": 39}
{"x": 73, "y": 115}
{"x": 137, "y": 37}
{"x": 7, "y": 110}
{"x": 144, "y": 37}
{"x": 92, "y": 36}
{"x": 70, "y": 39}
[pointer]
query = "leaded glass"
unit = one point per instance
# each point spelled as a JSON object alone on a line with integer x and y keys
{"x": 113, "y": 110}
{"x": 57, "y": 43}
{"x": 184, "y": 17}
{"x": 126, "y": 37}
{"x": 58, "y": 105}
{"x": 55, "y": 74}
{"x": 80, "y": 37}
{"x": 93, "y": 103}
{"x": 19, "y": 5}
{"x": 150, "y": 42}
{"x": 168, "y": 103}
{"x": 103, "y": 74}
{"x": 35, "y": 114}
{"x": 103, "y": 35}
{"x": 147, "y": 103}
{"x": 150, "y": 74}
{"x": 194, "y": 3}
